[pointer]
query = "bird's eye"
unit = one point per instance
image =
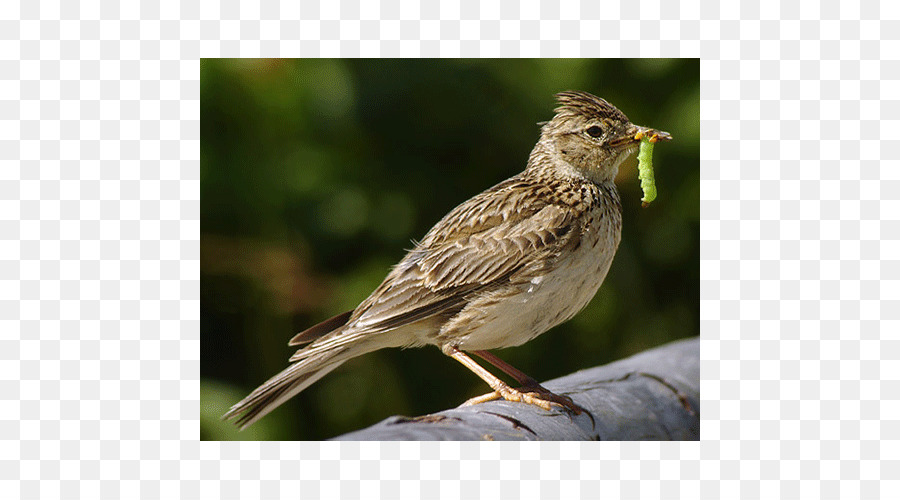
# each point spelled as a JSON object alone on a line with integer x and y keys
{"x": 595, "y": 131}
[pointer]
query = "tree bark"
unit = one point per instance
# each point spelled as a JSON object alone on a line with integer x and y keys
{"x": 653, "y": 395}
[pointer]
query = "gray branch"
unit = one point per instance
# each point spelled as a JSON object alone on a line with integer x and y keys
{"x": 653, "y": 395}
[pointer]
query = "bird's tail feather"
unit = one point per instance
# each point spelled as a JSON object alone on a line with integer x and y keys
{"x": 280, "y": 388}
{"x": 311, "y": 363}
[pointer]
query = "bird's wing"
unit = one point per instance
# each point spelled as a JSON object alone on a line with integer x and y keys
{"x": 504, "y": 234}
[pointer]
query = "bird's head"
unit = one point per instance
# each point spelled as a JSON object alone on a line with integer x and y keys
{"x": 591, "y": 135}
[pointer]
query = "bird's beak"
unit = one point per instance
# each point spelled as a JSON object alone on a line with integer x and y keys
{"x": 651, "y": 134}
{"x": 634, "y": 133}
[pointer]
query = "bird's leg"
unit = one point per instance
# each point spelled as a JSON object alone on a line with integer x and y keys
{"x": 501, "y": 389}
{"x": 507, "y": 368}
{"x": 529, "y": 384}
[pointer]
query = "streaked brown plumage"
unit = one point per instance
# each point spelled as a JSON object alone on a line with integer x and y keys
{"x": 498, "y": 270}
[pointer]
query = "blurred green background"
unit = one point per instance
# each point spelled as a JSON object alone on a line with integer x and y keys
{"x": 317, "y": 173}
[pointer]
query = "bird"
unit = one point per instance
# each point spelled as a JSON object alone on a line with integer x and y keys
{"x": 498, "y": 270}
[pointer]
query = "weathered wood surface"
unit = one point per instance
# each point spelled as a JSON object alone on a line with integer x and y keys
{"x": 653, "y": 395}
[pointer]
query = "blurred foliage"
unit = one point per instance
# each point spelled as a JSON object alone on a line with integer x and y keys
{"x": 316, "y": 174}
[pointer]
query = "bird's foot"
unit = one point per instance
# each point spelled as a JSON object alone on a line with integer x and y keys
{"x": 533, "y": 395}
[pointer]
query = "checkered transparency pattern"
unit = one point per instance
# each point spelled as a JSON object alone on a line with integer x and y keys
{"x": 99, "y": 217}
{"x": 799, "y": 231}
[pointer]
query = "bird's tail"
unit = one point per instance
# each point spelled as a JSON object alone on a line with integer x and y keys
{"x": 330, "y": 344}
{"x": 282, "y": 387}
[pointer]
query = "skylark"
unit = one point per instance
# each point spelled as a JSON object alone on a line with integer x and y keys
{"x": 500, "y": 269}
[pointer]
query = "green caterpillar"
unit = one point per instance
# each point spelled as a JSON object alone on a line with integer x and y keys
{"x": 645, "y": 169}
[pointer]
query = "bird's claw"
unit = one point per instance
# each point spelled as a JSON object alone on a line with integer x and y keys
{"x": 533, "y": 395}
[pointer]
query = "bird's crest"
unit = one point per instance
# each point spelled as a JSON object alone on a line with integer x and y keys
{"x": 577, "y": 103}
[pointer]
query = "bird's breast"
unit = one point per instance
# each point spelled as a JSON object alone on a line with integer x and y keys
{"x": 515, "y": 315}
